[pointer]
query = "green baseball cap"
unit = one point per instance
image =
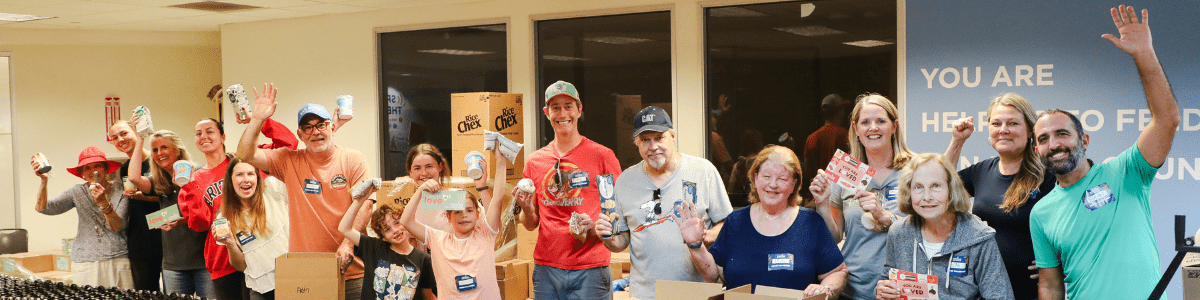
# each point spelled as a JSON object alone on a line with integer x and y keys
{"x": 561, "y": 88}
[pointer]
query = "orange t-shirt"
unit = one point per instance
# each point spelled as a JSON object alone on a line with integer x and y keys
{"x": 318, "y": 188}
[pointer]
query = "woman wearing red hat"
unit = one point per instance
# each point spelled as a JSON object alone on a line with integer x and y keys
{"x": 98, "y": 256}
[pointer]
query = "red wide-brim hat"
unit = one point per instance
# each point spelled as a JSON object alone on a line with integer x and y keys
{"x": 89, "y": 155}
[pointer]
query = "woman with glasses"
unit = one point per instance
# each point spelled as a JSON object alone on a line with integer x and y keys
{"x": 860, "y": 217}
{"x": 941, "y": 237}
{"x": 777, "y": 241}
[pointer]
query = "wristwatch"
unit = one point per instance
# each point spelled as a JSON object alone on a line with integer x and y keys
{"x": 482, "y": 188}
{"x": 697, "y": 245}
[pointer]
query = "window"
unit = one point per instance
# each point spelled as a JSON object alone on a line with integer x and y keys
{"x": 419, "y": 70}
{"x": 768, "y": 67}
{"x": 619, "y": 64}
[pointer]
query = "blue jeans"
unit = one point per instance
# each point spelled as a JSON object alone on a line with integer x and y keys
{"x": 189, "y": 282}
{"x": 550, "y": 283}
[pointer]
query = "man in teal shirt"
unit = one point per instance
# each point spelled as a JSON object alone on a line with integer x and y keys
{"x": 1094, "y": 230}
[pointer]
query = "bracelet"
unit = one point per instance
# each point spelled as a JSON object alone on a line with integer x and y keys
{"x": 697, "y": 245}
{"x": 482, "y": 188}
{"x": 106, "y": 210}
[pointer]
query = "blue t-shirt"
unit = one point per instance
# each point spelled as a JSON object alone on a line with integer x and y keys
{"x": 791, "y": 260}
{"x": 1100, "y": 231}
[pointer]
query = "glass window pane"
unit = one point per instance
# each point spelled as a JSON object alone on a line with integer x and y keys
{"x": 419, "y": 70}
{"x": 770, "y": 65}
{"x": 619, "y": 64}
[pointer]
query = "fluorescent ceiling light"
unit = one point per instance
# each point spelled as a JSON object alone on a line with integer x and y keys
{"x": 733, "y": 12}
{"x": 497, "y": 27}
{"x": 455, "y": 52}
{"x": 811, "y": 31}
{"x": 868, "y": 43}
{"x": 21, "y": 18}
{"x": 562, "y": 58}
{"x": 616, "y": 40}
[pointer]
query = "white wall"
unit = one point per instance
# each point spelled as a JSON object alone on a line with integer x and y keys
{"x": 314, "y": 59}
{"x": 61, "y": 80}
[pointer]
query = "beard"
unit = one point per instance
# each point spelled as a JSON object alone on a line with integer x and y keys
{"x": 657, "y": 162}
{"x": 1075, "y": 154}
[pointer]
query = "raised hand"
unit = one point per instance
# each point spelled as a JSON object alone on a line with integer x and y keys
{"x": 33, "y": 161}
{"x": 264, "y": 105}
{"x": 1135, "y": 35}
{"x": 689, "y": 222}
{"x": 963, "y": 127}
{"x": 820, "y": 188}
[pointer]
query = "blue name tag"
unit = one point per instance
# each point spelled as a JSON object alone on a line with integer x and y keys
{"x": 1097, "y": 196}
{"x": 465, "y": 282}
{"x": 245, "y": 238}
{"x": 958, "y": 265}
{"x": 891, "y": 193}
{"x": 780, "y": 261}
{"x": 312, "y": 186}
{"x": 579, "y": 180}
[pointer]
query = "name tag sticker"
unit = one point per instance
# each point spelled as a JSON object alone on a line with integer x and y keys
{"x": 465, "y": 282}
{"x": 958, "y": 265}
{"x": 1097, "y": 196}
{"x": 312, "y": 186}
{"x": 892, "y": 191}
{"x": 780, "y": 261}
{"x": 245, "y": 238}
{"x": 579, "y": 180}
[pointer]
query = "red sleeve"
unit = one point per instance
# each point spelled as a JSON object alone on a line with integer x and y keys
{"x": 194, "y": 211}
{"x": 612, "y": 165}
{"x": 279, "y": 134}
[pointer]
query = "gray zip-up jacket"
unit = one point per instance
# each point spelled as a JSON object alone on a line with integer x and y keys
{"x": 971, "y": 239}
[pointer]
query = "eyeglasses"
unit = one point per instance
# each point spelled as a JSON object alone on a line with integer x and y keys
{"x": 658, "y": 197}
{"x": 558, "y": 176}
{"x": 306, "y": 128}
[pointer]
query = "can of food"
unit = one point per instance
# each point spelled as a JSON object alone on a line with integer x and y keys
{"x": 220, "y": 228}
{"x": 241, "y": 105}
{"x": 144, "y": 126}
{"x": 608, "y": 205}
{"x": 474, "y": 162}
{"x": 183, "y": 172}
{"x": 43, "y": 164}
{"x": 345, "y": 107}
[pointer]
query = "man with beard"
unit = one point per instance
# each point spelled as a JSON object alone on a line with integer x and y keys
{"x": 1094, "y": 230}
{"x": 646, "y": 196}
{"x": 564, "y": 176}
{"x": 318, "y": 180}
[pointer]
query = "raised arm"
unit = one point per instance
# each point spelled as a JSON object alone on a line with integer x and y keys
{"x": 495, "y": 198}
{"x": 409, "y": 217}
{"x": 346, "y": 226}
{"x": 42, "y": 194}
{"x": 963, "y": 127}
{"x": 822, "y": 189}
{"x": 692, "y": 229}
{"x": 135, "y": 167}
{"x": 1155, "y": 142}
{"x": 264, "y": 108}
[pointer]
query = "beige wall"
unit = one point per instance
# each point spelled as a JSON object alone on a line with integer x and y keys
{"x": 314, "y": 59}
{"x": 60, "y": 80}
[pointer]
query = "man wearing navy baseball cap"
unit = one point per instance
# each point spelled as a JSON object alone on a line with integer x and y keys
{"x": 648, "y": 193}
{"x": 569, "y": 265}
{"x": 318, "y": 180}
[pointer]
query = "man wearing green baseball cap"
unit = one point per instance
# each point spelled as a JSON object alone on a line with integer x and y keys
{"x": 571, "y": 261}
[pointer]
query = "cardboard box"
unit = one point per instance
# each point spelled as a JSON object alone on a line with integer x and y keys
{"x": 315, "y": 276}
{"x": 681, "y": 290}
{"x": 66, "y": 245}
{"x": 1191, "y": 282}
{"x": 526, "y": 242}
{"x": 59, "y": 276}
{"x": 36, "y": 262}
{"x": 62, "y": 262}
{"x": 471, "y": 114}
{"x": 513, "y": 278}
{"x": 623, "y": 257}
{"x": 617, "y": 267}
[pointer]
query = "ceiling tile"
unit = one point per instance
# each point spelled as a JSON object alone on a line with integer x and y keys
{"x": 328, "y": 8}
{"x": 386, "y": 3}
{"x": 223, "y": 18}
{"x": 101, "y": 19}
{"x": 274, "y": 13}
{"x": 30, "y": 25}
{"x": 52, "y": 12}
{"x": 273, "y": 3}
{"x": 7, "y": 7}
{"x": 163, "y": 25}
{"x": 169, "y": 12}
{"x": 148, "y": 3}
{"x": 95, "y": 6}
{"x": 35, "y": 2}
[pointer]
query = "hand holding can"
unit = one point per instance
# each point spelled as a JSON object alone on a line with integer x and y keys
{"x": 345, "y": 105}
{"x": 41, "y": 165}
{"x": 183, "y": 172}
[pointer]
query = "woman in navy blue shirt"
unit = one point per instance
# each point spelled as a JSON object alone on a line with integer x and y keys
{"x": 774, "y": 241}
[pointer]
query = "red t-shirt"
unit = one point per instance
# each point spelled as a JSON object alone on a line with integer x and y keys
{"x": 199, "y": 201}
{"x": 821, "y": 145}
{"x": 318, "y": 188}
{"x": 577, "y": 193}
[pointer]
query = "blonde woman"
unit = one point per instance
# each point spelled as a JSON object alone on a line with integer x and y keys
{"x": 861, "y": 218}
{"x": 941, "y": 237}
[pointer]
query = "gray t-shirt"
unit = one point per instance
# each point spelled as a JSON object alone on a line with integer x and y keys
{"x": 864, "y": 248}
{"x": 183, "y": 248}
{"x": 94, "y": 241}
{"x": 657, "y": 250}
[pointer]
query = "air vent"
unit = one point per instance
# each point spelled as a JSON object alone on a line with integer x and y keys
{"x": 215, "y": 6}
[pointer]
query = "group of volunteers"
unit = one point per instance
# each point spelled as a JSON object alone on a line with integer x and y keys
{"x": 1042, "y": 215}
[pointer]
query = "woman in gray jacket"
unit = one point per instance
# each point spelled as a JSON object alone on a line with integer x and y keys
{"x": 941, "y": 247}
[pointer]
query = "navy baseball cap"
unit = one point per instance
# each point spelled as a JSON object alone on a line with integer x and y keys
{"x": 312, "y": 109}
{"x": 651, "y": 118}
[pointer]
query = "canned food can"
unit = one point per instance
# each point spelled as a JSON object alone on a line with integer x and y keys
{"x": 43, "y": 164}
{"x": 345, "y": 107}
{"x": 237, "y": 96}
{"x": 144, "y": 126}
{"x": 183, "y": 172}
{"x": 474, "y": 162}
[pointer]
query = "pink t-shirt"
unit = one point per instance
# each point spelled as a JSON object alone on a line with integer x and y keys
{"x": 454, "y": 259}
{"x": 318, "y": 189}
{"x": 576, "y": 193}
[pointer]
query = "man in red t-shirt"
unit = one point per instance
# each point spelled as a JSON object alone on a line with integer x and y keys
{"x": 564, "y": 174}
{"x": 318, "y": 180}
{"x": 823, "y": 143}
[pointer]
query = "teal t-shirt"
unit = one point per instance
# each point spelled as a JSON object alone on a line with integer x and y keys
{"x": 1099, "y": 230}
